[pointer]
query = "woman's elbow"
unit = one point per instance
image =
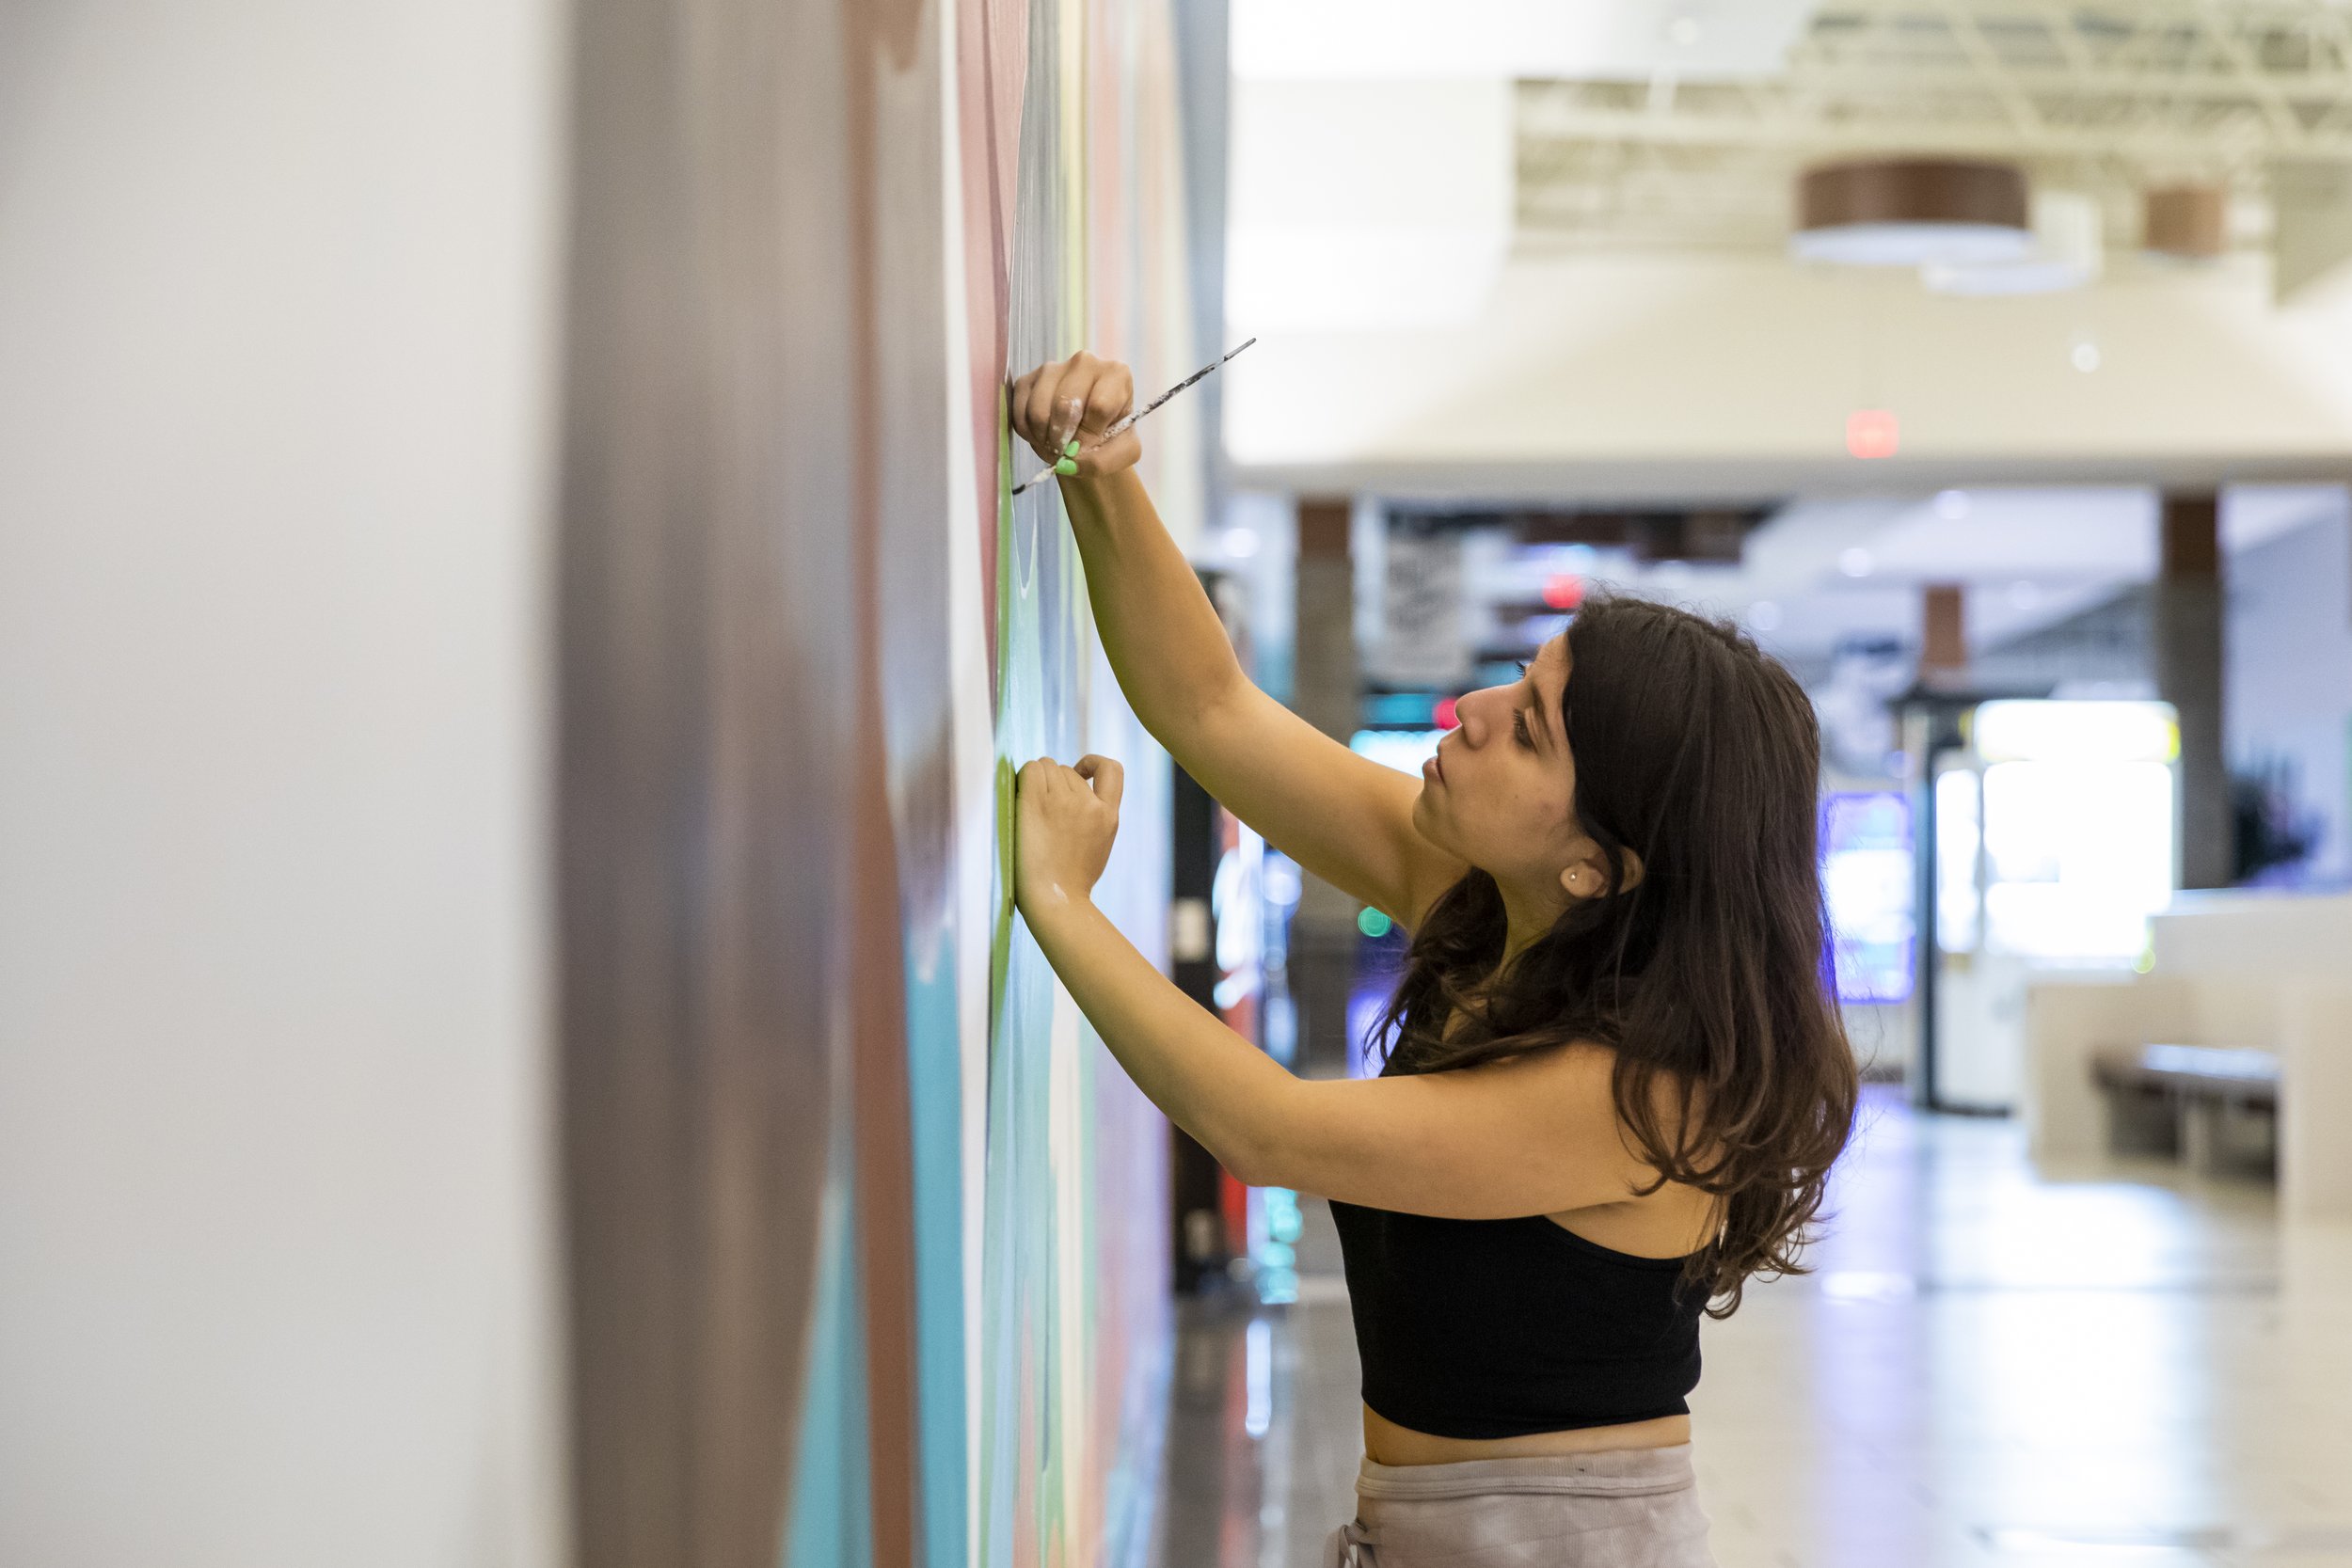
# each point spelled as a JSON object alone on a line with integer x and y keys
{"x": 1258, "y": 1138}
{"x": 1246, "y": 1164}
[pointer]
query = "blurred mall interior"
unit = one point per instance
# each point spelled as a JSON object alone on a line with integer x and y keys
{"x": 516, "y": 630}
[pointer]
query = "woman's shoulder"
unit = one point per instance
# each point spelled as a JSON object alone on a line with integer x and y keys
{"x": 1588, "y": 1067}
{"x": 1677, "y": 1097}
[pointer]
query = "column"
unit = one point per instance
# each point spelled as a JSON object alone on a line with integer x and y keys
{"x": 1326, "y": 692}
{"x": 1942, "y": 636}
{"x": 2185, "y": 627}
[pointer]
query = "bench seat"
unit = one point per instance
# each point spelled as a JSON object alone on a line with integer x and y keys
{"x": 2232, "y": 1072}
{"x": 2184, "y": 1099}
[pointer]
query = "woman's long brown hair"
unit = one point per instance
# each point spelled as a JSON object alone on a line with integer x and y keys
{"x": 1700, "y": 754}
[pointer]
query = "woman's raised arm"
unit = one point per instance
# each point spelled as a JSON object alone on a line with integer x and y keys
{"x": 1344, "y": 818}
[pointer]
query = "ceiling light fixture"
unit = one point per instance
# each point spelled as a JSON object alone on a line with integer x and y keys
{"x": 1911, "y": 212}
{"x": 2187, "y": 223}
{"x": 2065, "y": 253}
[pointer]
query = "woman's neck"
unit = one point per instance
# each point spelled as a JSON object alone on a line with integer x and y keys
{"x": 1526, "y": 921}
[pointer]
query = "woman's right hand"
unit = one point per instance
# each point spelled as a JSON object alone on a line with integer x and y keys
{"x": 1078, "y": 398}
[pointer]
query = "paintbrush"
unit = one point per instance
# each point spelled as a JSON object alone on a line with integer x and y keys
{"x": 1067, "y": 464}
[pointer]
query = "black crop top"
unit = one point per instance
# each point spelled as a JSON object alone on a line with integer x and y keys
{"x": 1495, "y": 1328}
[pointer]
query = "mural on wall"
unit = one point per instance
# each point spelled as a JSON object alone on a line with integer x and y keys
{"x": 1040, "y": 1306}
{"x": 1076, "y": 1260}
{"x": 866, "y": 1233}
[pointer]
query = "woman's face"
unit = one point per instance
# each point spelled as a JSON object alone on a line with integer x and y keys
{"x": 1499, "y": 791}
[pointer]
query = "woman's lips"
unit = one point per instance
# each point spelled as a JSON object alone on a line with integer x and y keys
{"x": 1434, "y": 766}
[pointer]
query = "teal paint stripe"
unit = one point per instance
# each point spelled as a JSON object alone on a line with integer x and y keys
{"x": 935, "y": 1079}
{"x": 830, "y": 1511}
{"x": 1019, "y": 1446}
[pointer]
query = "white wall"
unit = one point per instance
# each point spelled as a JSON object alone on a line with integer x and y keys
{"x": 2261, "y": 933}
{"x": 275, "y": 1245}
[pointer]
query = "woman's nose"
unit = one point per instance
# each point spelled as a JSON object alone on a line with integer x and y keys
{"x": 1471, "y": 710}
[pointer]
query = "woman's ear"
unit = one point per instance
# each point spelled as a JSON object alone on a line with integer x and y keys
{"x": 1587, "y": 876}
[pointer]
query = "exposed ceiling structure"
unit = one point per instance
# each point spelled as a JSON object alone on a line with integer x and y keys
{"x": 1530, "y": 257}
{"x": 2105, "y": 99}
{"x": 1526, "y": 251}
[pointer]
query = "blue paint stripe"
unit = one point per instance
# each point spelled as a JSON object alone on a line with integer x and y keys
{"x": 936, "y": 1112}
{"x": 829, "y": 1517}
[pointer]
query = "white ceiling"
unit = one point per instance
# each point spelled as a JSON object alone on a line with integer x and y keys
{"x": 1609, "y": 378}
{"x": 1502, "y": 39}
{"x": 1366, "y": 206}
{"x": 1373, "y": 144}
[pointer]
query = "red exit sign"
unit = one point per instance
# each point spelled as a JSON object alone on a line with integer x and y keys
{"x": 1872, "y": 433}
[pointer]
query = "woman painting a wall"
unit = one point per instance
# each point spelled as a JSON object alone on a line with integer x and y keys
{"x": 1618, "y": 1081}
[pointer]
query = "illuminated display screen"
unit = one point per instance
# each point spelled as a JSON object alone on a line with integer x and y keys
{"x": 1959, "y": 836}
{"x": 2078, "y": 855}
{"x": 2092, "y": 731}
{"x": 2073, "y": 817}
{"x": 1237, "y": 901}
{"x": 1868, "y": 878}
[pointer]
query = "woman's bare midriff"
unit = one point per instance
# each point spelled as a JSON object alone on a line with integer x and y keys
{"x": 1386, "y": 1443}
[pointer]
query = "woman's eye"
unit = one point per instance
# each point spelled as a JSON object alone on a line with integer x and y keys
{"x": 1518, "y": 727}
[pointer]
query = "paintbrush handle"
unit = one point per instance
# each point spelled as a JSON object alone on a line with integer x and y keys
{"x": 1121, "y": 425}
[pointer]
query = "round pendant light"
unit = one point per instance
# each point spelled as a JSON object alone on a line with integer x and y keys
{"x": 2187, "y": 223}
{"x": 2066, "y": 253}
{"x": 1911, "y": 212}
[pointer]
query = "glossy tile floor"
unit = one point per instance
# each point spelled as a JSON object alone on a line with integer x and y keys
{"x": 2116, "y": 1362}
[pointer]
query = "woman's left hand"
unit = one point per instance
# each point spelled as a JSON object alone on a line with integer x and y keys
{"x": 1064, "y": 821}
